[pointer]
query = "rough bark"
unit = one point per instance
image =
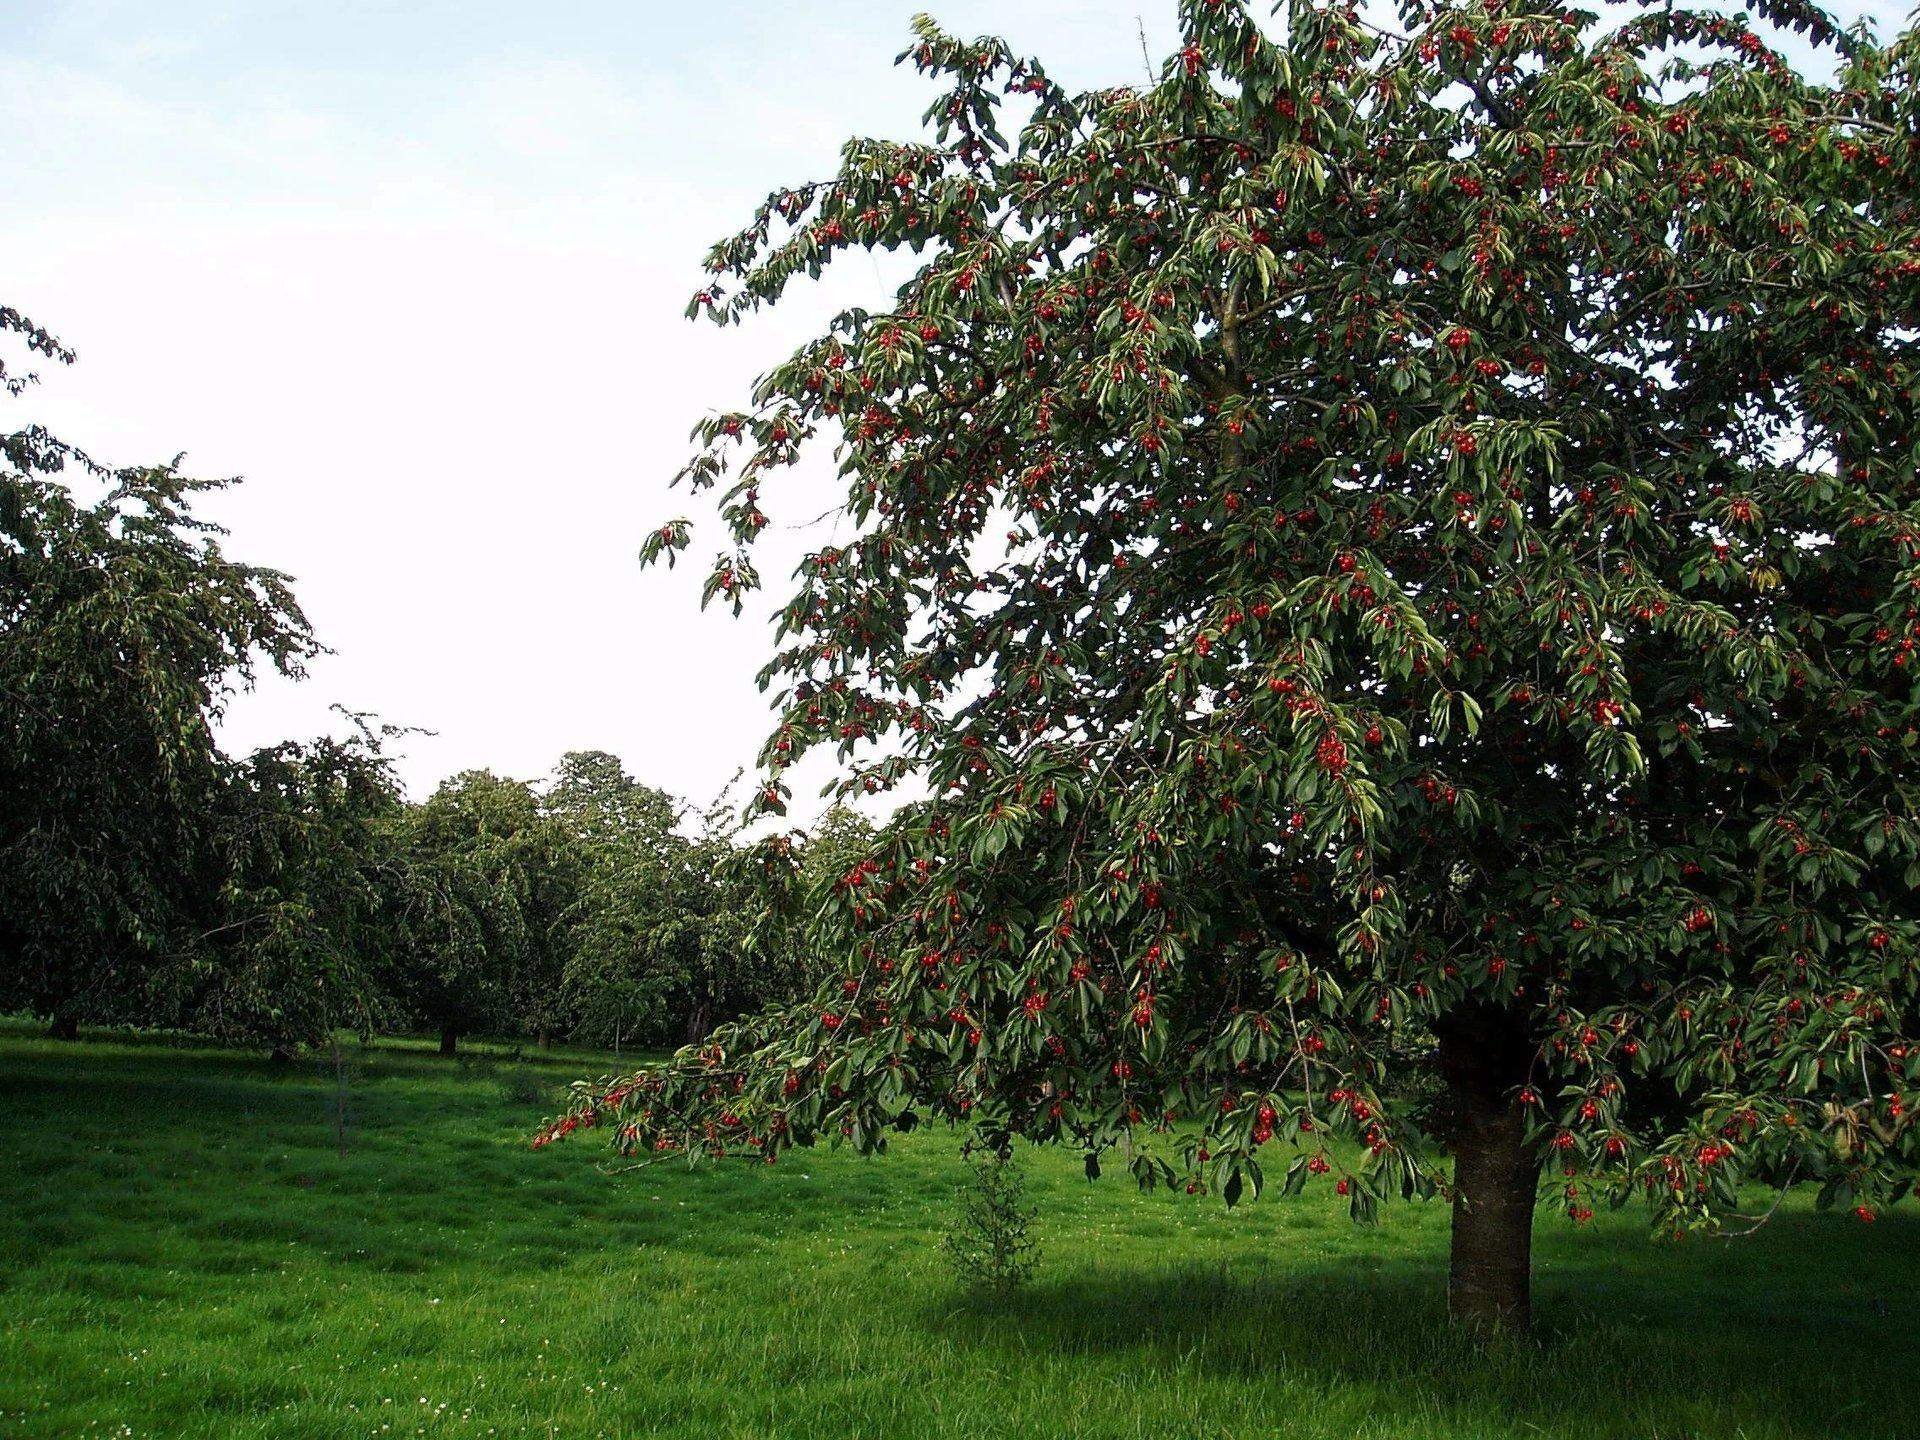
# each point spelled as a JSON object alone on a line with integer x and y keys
{"x": 449, "y": 1039}
{"x": 1496, "y": 1175}
{"x": 63, "y": 1027}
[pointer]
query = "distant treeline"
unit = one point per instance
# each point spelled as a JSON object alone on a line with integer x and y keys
{"x": 147, "y": 878}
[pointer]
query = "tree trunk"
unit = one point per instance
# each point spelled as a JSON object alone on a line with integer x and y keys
{"x": 63, "y": 1027}
{"x": 1496, "y": 1175}
{"x": 697, "y": 1024}
{"x": 544, "y": 1039}
{"x": 449, "y": 1039}
{"x": 1495, "y": 1179}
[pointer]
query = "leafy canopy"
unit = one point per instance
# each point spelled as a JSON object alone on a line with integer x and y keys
{"x": 479, "y": 900}
{"x": 299, "y": 867}
{"x": 676, "y": 932}
{"x": 1389, "y": 534}
{"x": 124, "y": 628}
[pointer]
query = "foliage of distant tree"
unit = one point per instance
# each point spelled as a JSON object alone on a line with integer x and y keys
{"x": 832, "y": 850}
{"x": 599, "y": 806}
{"x": 480, "y": 911}
{"x": 665, "y": 946}
{"x": 678, "y": 932}
{"x": 303, "y": 845}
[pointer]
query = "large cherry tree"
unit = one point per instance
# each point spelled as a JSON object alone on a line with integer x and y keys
{"x": 125, "y": 628}
{"x": 1393, "y": 553}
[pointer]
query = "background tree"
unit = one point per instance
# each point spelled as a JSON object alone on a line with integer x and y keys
{"x": 303, "y": 846}
{"x": 833, "y": 849}
{"x": 599, "y": 805}
{"x": 481, "y": 906}
{"x": 124, "y": 627}
{"x": 617, "y": 826}
{"x": 1385, "y": 530}
{"x": 676, "y": 934}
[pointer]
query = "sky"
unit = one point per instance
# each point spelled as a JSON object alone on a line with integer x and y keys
{"x": 417, "y": 272}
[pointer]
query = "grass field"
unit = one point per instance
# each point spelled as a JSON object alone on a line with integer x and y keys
{"x": 184, "y": 1252}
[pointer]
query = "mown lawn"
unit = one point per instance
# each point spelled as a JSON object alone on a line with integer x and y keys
{"x": 184, "y": 1252}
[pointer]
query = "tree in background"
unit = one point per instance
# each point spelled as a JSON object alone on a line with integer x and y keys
{"x": 480, "y": 907}
{"x": 608, "y": 818}
{"x": 1386, "y": 530}
{"x": 598, "y": 805}
{"x": 124, "y": 628}
{"x": 832, "y": 850}
{"x": 147, "y": 879}
{"x": 304, "y": 847}
{"x": 617, "y": 827}
{"x": 675, "y": 934}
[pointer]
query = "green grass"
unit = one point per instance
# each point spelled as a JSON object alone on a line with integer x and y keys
{"x": 184, "y": 1252}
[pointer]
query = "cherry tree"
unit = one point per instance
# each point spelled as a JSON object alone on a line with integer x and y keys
{"x": 125, "y": 629}
{"x": 1394, "y": 552}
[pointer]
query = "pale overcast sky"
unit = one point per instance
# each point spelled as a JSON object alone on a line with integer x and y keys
{"x": 416, "y": 270}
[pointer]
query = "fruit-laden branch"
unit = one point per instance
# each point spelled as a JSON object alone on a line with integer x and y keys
{"x": 1366, "y": 531}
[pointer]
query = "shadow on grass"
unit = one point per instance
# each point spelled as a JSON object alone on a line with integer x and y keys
{"x": 1670, "y": 1342}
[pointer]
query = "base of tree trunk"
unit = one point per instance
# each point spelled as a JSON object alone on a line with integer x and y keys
{"x": 1496, "y": 1175}
{"x": 281, "y": 1055}
{"x": 63, "y": 1027}
{"x": 1489, "y": 1277}
{"x": 449, "y": 1041}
